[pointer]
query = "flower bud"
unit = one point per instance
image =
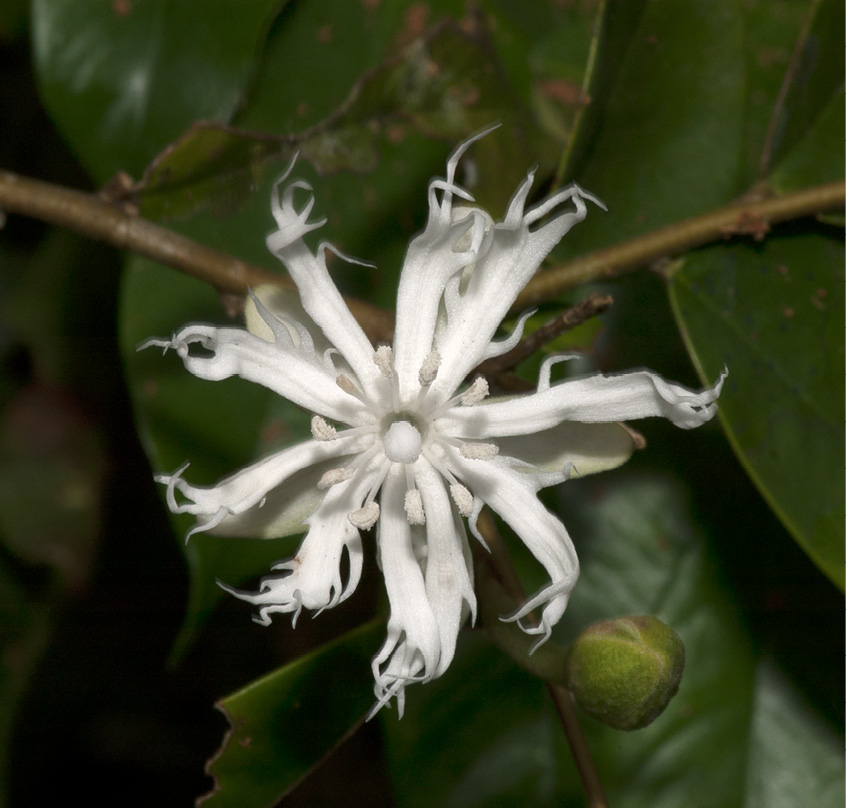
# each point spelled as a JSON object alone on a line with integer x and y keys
{"x": 624, "y": 672}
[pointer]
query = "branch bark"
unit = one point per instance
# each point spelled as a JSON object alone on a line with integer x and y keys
{"x": 744, "y": 219}
{"x": 101, "y": 220}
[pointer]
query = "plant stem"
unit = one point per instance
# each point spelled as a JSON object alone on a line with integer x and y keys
{"x": 98, "y": 219}
{"x": 746, "y": 218}
{"x": 92, "y": 216}
{"x": 500, "y": 562}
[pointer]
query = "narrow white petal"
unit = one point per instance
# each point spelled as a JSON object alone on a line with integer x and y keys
{"x": 303, "y": 379}
{"x": 449, "y": 570}
{"x": 412, "y": 648}
{"x": 513, "y": 496}
{"x": 570, "y": 449}
{"x": 595, "y": 399}
{"x": 498, "y": 277}
{"x": 320, "y": 297}
{"x": 247, "y": 489}
{"x": 286, "y": 307}
{"x": 312, "y": 579}
{"x": 431, "y": 261}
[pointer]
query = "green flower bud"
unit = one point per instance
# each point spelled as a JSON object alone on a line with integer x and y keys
{"x": 624, "y": 672}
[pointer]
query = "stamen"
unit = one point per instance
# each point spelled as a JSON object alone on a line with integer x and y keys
{"x": 383, "y": 358}
{"x": 335, "y": 476}
{"x": 429, "y": 368}
{"x": 414, "y": 507}
{"x": 462, "y": 498}
{"x": 479, "y": 451}
{"x": 348, "y": 386}
{"x": 321, "y": 430}
{"x": 366, "y": 516}
{"x": 475, "y": 392}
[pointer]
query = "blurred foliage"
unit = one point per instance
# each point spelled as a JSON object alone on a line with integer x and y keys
{"x": 664, "y": 110}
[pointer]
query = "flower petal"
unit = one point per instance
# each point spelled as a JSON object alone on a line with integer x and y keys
{"x": 433, "y": 258}
{"x": 288, "y": 371}
{"x": 217, "y": 506}
{"x": 497, "y": 278}
{"x": 595, "y": 399}
{"x": 570, "y": 449}
{"x": 285, "y": 305}
{"x": 513, "y": 496}
{"x": 412, "y": 648}
{"x": 452, "y": 239}
{"x": 449, "y": 567}
{"x": 313, "y": 576}
{"x": 320, "y": 297}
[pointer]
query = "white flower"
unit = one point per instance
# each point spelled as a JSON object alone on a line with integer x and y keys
{"x": 395, "y": 444}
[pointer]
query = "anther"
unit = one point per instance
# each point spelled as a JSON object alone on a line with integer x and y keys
{"x": 348, "y": 386}
{"x": 414, "y": 507}
{"x": 321, "y": 430}
{"x": 475, "y": 392}
{"x": 462, "y": 498}
{"x": 333, "y": 477}
{"x": 429, "y": 368}
{"x": 383, "y": 358}
{"x": 479, "y": 451}
{"x": 364, "y": 518}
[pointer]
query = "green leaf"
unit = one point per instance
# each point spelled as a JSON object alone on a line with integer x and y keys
{"x": 773, "y": 314}
{"x": 691, "y": 105}
{"x": 283, "y": 724}
{"x": 795, "y": 757}
{"x": 818, "y": 158}
{"x": 447, "y": 83}
{"x": 671, "y": 132}
{"x": 124, "y": 79}
{"x": 640, "y": 554}
{"x": 811, "y": 78}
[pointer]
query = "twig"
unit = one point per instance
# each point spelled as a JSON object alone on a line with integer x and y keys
{"x": 91, "y": 216}
{"x": 95, "y": 218}
{"x": 500, "y": 563}
{"x": 678, "y": 238}
{"x": 567, "y": 320}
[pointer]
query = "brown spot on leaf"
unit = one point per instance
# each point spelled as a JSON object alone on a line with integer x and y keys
{"x": 567, "y": 93}
{"x": 817, "y": 299}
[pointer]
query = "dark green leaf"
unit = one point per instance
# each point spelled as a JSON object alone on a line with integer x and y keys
{"x": 811, "y": 78}
{"x": 283, "y": 724}
{"x": 124, "y": 79}
{"x": 447, "y": 84}
{"x": 640, "y": 555}
{"x": 671, "y": 134}
{"x": 773, "y": 314}
{"x": 818, "y": 158}
{"x": 795, "y": 758}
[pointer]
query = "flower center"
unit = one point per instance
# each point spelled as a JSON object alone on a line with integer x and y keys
{"x": 402, "y": 442}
